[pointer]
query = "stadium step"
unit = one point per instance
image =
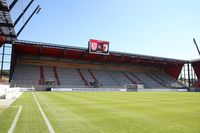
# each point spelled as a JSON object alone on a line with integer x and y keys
{"x": 128, "y": 78}
{"x": 156, "y": 79}
{"x": 31, "y": 75}
{"x": 113, "y": 77}
{"x": 56, "y": 75}
{"x": 91, "y": 73}
{"x": 138, "y": 80}
{"x": 163, "y": 81}
{"x": 82, "y": 76}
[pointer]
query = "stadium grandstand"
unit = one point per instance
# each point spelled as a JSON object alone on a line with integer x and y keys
{"x": 41, "y": 65}
{"x": 44, "y": 65}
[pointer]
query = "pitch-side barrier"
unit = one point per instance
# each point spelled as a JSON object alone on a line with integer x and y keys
{"x": 116, "y": 90}
{"x": 8, "y": 93}
{"x": 87, "y": 89}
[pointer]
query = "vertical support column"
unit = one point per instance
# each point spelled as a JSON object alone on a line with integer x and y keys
{"x": 181, "y": 75}
{"x": 184, "y": 74}
{"x": 192, "y": 75}
{"x": 56, "y": 75}
{"x": 12, "y": 63}
{"x": 41, "y": 75}
{"x": 2, "y": 61}
{"x": 188, "y": 65}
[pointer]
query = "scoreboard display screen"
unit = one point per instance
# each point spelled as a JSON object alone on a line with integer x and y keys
{"x": 98, "y": 47}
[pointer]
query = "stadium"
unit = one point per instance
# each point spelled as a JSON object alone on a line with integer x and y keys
{"x": 66, "y": 88}
{"x": 39, "y": 64}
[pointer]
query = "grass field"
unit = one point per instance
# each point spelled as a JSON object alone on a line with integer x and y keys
{"x": 105, "y": 112}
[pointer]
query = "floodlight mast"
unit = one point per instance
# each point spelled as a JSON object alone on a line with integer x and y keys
{"x": 188, "y": 63}
{"x": 36, "y": 11}
{"x": 196, "y": 45}
{"x": 13, "y": 4}
{"x": 23, "y": 12}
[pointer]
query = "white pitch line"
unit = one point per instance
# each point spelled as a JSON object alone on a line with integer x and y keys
{"x": 44, "y": 116}
{"x": 15, "y": 120}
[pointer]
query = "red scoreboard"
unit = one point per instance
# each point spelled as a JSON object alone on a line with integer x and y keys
{"x": 98, "y": 47}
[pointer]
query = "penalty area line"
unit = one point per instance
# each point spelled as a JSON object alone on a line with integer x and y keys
{"x": 51, "y": 130}
{"x": 15, "y": 120}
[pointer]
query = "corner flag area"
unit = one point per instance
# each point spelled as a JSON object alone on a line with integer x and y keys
{"x": 103, "y": 112}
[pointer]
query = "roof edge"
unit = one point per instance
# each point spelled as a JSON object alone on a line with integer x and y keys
{"x": 51, "y": 45}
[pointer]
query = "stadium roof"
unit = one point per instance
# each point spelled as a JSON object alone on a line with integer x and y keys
{"x": 80, "y": 53}
{"x": 6, "y": 26}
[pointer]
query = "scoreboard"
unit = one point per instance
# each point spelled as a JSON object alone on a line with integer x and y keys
{"x": 98, "y": 47}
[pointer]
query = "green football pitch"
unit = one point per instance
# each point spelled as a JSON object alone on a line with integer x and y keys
{"x": 104, "y": 112}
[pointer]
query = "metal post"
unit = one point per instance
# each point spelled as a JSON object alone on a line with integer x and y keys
{"x": 181, "y": 76}
{"x": 196, "y": 45}
{"x": 184, "y": 75}
{"x": 188, "y": 65}
{"x": 2, "y": 61}
{"x": 192, "y": 75}
{"x": 12, "y": 62}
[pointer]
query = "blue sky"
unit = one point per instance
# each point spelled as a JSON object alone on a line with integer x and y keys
{"x": 149, "y": 27}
